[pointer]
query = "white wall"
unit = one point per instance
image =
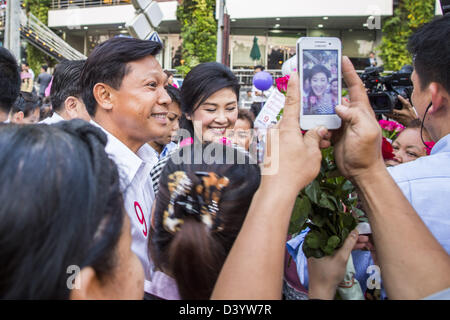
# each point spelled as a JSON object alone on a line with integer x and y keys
{"x": 103, "y": 15}
{"x": 247, "y": 9}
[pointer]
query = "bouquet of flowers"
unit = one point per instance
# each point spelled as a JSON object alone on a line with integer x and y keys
{"x": 327, "y": 206}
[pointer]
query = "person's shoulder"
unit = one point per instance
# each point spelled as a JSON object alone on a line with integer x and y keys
{"x": 428, "y": 167}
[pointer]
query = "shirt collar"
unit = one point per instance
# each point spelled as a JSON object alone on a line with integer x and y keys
{"x": 127, "y": 161}
{"x": 443, "y": 145}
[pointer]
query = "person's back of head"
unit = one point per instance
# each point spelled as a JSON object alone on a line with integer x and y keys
{"x": 199, "y": 211}
{"x": 430, "y": 48}
{"x": 61, "y": 209}
{"x": 24, "y": 107}
{"x": 9, "y": 80}
{"x": 66, "y": 83}
{"x": 44, "y": 67}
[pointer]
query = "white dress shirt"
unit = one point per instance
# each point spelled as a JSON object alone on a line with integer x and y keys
{"x": 53, "y": 119}
{"x": 136, "y": 185}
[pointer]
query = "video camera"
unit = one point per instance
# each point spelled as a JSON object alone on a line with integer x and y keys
{"x": 383, "y": 91}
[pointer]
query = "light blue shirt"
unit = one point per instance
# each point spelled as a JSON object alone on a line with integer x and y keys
{"x": 425, "y": 182}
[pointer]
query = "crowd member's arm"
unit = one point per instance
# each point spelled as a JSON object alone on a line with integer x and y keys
{"x": 404, "y": 115}
{"x": 254, "y": 267}
{"x": 413, "y": 264}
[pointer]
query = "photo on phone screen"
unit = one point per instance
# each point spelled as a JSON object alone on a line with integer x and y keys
{"x": 320, "y": 81}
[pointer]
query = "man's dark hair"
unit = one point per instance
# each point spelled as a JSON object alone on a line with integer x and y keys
{"x": 9, "y": 80}
{"x": 108, "y": 64}
{"x": 45, "y": 67}
{"x": 259, "y": 67}
{"x": 174, "y": 94}
{"x": 66, "y": 82}
{"x": 26, "y": 102}
{"x": 430, "y": 47}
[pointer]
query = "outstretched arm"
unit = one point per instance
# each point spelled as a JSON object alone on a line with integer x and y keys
{"x": 254, "y": 267}
{"x": 413, "y": 264}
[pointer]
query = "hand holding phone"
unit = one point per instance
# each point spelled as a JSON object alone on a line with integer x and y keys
{"x": 319, "y": 66}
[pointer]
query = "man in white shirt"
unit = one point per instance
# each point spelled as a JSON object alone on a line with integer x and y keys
{"x": 9, "y": 83}
{"x": 65, "y": 93}
{"x": 123, "y": 88}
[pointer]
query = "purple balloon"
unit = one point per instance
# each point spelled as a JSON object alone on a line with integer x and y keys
{"x": 262, "y": 80}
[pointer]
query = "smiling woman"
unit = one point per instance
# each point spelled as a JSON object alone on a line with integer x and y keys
{"x": 209, "y": 101}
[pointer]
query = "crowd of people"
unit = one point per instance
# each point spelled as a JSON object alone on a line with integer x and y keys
{"x": 135, "y": 189}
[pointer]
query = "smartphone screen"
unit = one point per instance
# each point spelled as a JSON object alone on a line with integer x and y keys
{"x": 320, "y": 81}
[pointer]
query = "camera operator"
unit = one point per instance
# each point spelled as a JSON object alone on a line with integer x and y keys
{"x": 404, "y": 115}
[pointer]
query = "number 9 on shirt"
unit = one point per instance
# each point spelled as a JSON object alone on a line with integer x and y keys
{"x": 319, "y": 67}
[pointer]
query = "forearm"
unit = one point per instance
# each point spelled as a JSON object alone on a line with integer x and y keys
{"x": 413, "y": 264}
{"x": 261, "y": 244}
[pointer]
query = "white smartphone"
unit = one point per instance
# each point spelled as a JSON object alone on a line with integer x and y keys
{"x": 319, "y": 67}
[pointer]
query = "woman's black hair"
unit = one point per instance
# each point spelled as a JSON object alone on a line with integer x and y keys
{"x": 195, "y": 254}
{"x": 319, "y": 68}
{"x": 200, "y": 83}
{"x": 26, "y": 102}
{"x": 174, "y": 94}
{"x": 61, "y": 208}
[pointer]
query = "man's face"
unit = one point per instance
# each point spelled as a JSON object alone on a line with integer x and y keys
{"x": 420, "y": 98}
{"x": 257, "y": 70}
{"x": 140, "y": 104}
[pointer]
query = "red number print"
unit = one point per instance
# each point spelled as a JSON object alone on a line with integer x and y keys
{"x": 140, "y": 217}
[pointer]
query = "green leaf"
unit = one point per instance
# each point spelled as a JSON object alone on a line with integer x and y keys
{"x": 326, "y": 203}
{"x": 300, "y": 213}
{"x": 313, "y": 191}
{"x": 348, "y": 186}
{"x": 312, "y": 239}
{"x": 349, "y": 221}
{"x": 333, "y": 242}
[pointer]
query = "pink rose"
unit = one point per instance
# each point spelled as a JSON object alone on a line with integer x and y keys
{"x": 282, "y": 83}
{"x": 430, "y": 145}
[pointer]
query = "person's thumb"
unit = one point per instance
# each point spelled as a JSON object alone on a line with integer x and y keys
{"x": 348, "y": 245}
{"x": 312, "y": 138}
{"x": 344, "y": 112}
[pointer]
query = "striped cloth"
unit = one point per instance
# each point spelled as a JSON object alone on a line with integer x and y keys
{"x": 155, "y": 173}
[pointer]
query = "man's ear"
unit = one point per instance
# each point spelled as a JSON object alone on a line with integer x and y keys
{"x": 70, "y": 106}
{"x": 18, "y": 117}
{"x": 87, "y": 286}
{"x": 439, "y": 97}
{"x": 103, "y": 94}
